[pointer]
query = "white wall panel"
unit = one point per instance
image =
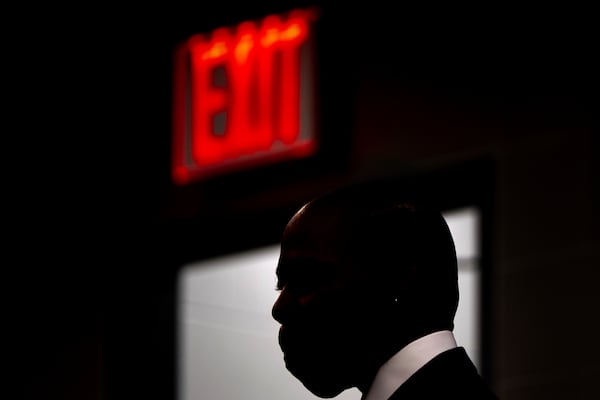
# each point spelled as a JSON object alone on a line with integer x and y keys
{"x": 228, "y": 341}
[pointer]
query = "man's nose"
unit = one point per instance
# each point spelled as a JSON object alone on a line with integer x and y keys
{"x": 290, "y": 305}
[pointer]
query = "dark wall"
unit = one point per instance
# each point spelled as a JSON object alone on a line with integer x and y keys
{"x": 95, "y": 230}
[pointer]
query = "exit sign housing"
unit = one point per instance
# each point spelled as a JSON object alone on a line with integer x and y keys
{"x": 244, "y": 96}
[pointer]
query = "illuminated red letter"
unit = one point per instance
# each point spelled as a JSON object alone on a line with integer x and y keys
{"x": 237, "y": 96}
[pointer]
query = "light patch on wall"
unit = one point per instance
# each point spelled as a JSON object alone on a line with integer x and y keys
{"x": 227, "y": 341}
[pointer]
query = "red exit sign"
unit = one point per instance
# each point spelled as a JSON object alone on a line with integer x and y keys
{"x": 244, "y": 96}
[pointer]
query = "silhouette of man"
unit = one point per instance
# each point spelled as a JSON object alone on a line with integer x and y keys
{"x": 368, "y": 292}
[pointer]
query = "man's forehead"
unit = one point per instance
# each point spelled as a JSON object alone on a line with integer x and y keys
{"x": 314, "y": 240}
{"x": 313, "y": 217}
{"x": 295, "y": 264}
{"x": 313, "y": 235}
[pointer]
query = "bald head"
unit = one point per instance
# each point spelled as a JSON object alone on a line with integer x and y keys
{"x": 363, "y": 270}
{"x": 394, "y": 234}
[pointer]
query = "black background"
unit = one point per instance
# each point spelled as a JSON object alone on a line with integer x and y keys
{"x": 89, "y": 228}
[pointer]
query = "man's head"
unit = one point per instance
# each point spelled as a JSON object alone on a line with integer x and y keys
{"x": 363, "y": 271}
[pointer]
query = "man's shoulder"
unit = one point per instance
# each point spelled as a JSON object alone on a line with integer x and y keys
{"x": 450, "y": 374}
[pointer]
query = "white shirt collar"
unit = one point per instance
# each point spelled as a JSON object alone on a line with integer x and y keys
{"x": 407, "y": 361}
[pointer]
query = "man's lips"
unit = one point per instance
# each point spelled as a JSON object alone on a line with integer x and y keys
{"x": 294, "y": 356}
{"x": 291, "y": 342}
{"x": 284, "y": 335}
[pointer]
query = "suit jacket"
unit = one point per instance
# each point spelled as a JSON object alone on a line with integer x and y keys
{"x": 449, "y": 375}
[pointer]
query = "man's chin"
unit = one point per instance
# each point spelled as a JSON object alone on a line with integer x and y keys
{"x": 323, "y": 389}
{"x": 321, "y": 385}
